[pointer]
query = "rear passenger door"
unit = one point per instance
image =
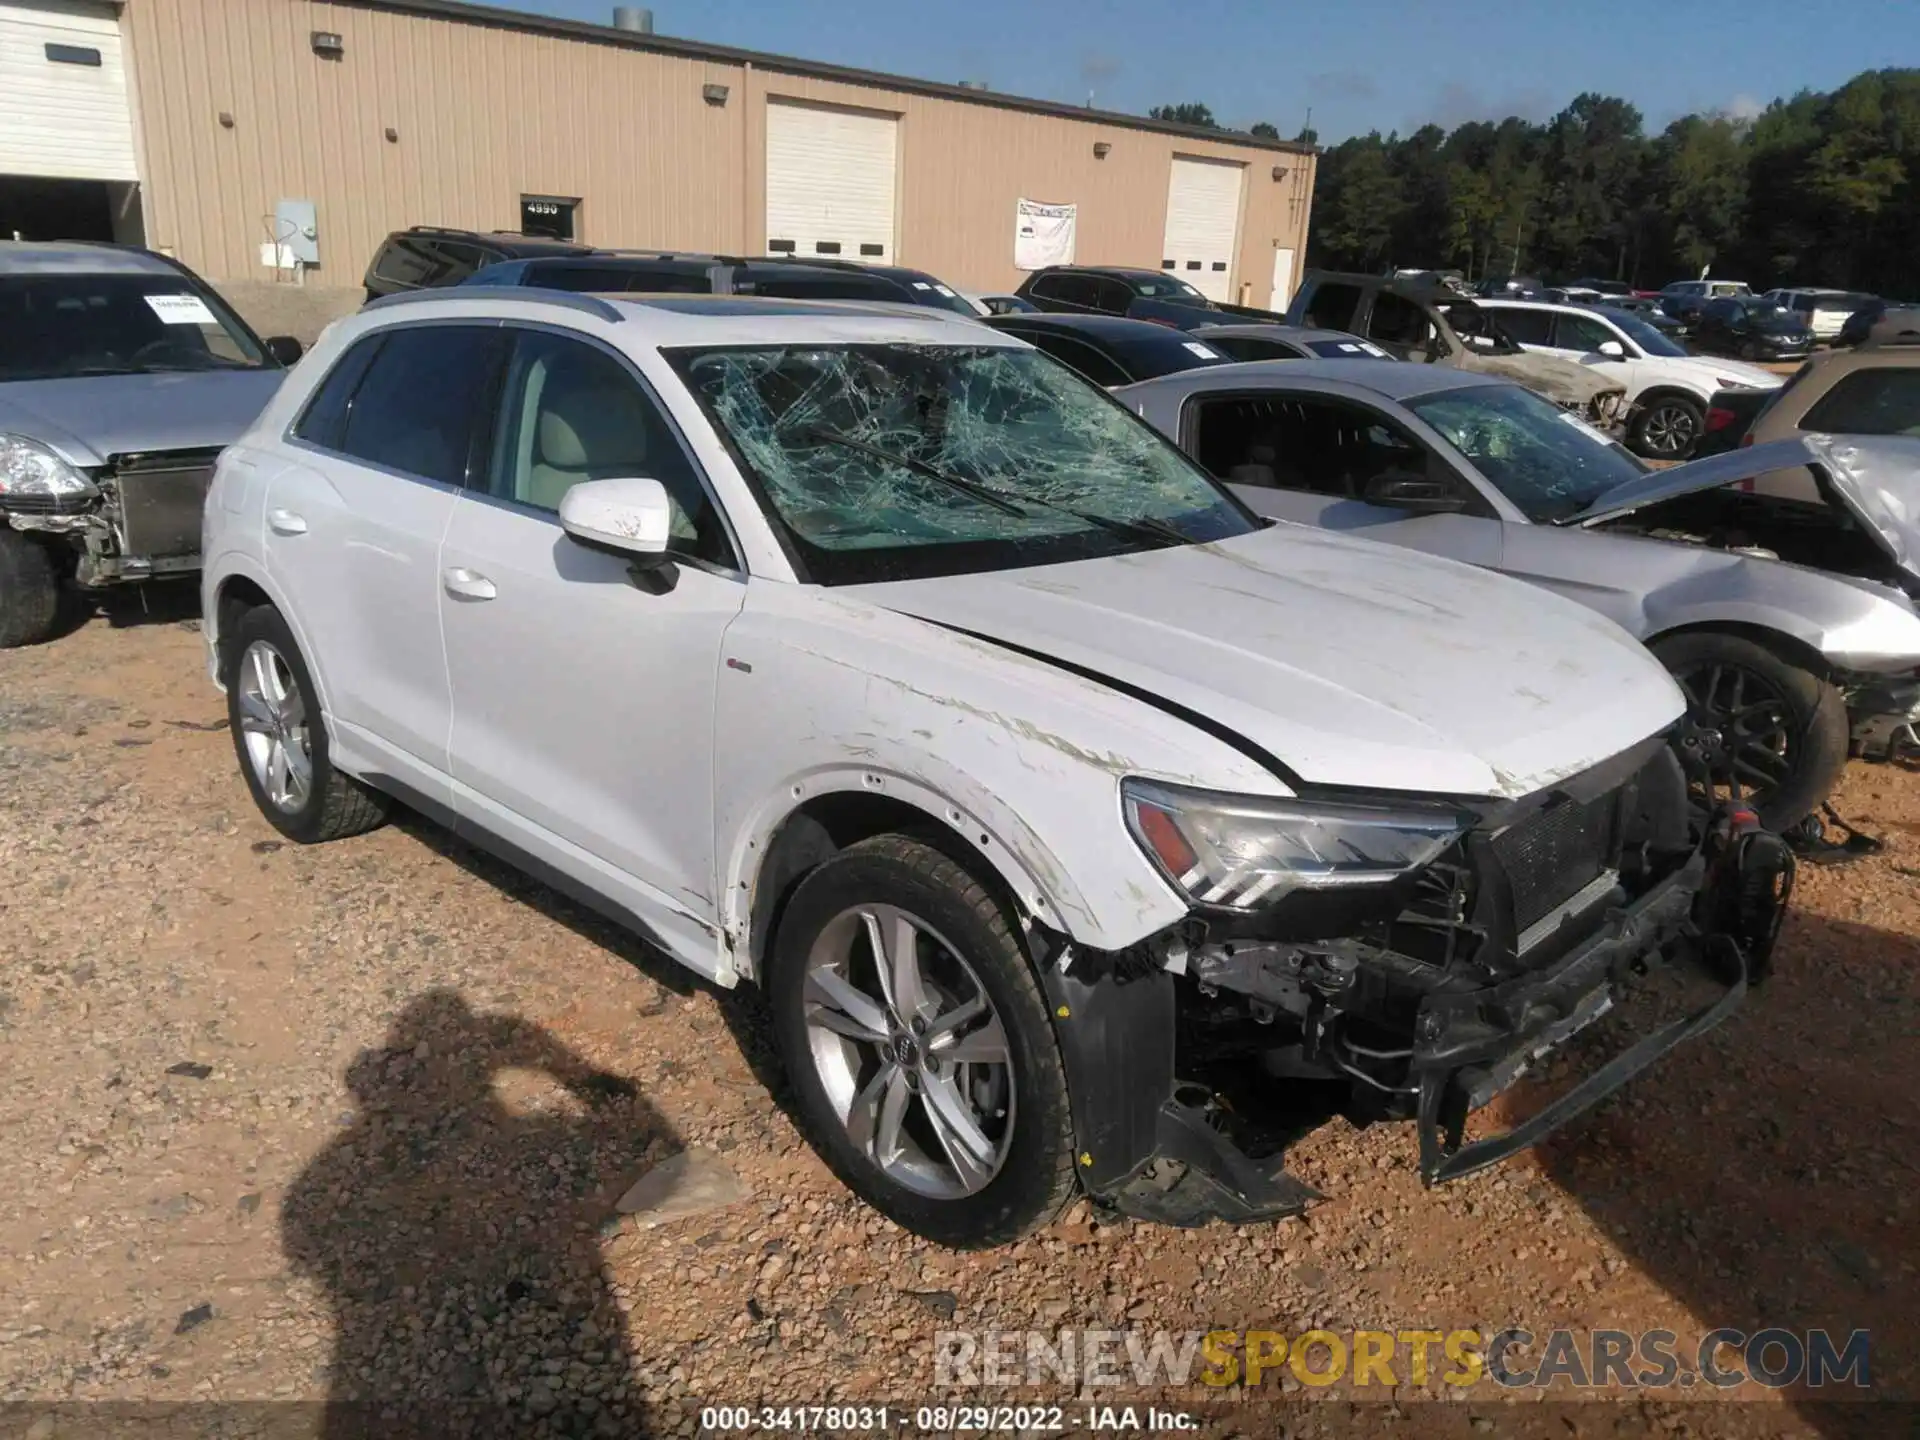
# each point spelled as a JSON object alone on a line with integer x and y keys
{"x": 353, "y": 533}
{"x": 582, "y": 704}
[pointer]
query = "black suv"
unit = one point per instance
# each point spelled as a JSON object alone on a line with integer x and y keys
{"x": 664, "y": 272}
{"x": 917, "y": 287}
{"x": 429, "y": 255}
{"x": 1157, "y": 295}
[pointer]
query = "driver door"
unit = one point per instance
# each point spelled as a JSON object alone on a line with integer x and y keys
{"x": 1334, "y": 463}
{"x": 582, "y": 704}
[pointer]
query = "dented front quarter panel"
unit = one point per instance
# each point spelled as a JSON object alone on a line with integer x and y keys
{"x": 821, "y": 691}
{"x": 1652, "y": 587}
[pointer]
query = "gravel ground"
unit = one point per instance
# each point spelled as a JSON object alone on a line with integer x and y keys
{"x": 349, "y": 1122}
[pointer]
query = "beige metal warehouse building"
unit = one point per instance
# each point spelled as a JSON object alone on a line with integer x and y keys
{"x": 246, "y": 135}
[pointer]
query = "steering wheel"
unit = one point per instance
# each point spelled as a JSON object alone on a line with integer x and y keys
{"x": 156, "y": 349}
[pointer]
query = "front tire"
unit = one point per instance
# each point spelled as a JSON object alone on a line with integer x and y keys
{"x": 280, "y": 737}
{"x": 1667, "y": 428}
{"x": 919, "y": 1046}
{"x": 1776, "y": 734}
{"x": 29, "y": 590}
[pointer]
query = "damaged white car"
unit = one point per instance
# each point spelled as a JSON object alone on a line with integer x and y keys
{"x": 872, "y": 657}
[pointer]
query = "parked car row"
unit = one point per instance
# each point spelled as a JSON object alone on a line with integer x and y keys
{"x": 903, "y": 607}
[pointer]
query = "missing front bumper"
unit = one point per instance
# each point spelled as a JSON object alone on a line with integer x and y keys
{"x": 1153, "y": 1149}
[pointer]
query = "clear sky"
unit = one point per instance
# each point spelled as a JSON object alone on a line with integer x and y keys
{"x": 1360, "y": 64}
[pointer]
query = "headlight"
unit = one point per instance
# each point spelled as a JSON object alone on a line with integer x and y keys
{"x": 28, "y": 468}
{"x": 1242, "y": 852}
{"x": 1721, "y": 382}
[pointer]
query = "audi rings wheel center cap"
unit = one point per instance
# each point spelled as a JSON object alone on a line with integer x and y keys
{"x": 906, "y": 1054}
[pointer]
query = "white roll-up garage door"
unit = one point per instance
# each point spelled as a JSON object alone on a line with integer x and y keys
{"x": 1203, "y": 223}
{"x": 830, "y": 182}
{"x": 63, "y": 91}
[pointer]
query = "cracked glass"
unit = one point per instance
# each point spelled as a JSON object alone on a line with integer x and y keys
{"x": 1551, "y": 464}
{"x": 891, "y": 461}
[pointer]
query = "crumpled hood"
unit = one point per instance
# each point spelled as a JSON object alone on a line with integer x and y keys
{"x": 90, "y": 418}
{"x": 1351, "y": 663}
{"x": 1875, "y": 478}
{"x": 1557, "y": 379}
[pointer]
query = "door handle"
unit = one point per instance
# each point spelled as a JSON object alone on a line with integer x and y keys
{"x": 285, "y": 522}
{"x": 465, "y": 584}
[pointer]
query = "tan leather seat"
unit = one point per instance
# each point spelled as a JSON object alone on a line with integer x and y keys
{"x": 584, "y": 432}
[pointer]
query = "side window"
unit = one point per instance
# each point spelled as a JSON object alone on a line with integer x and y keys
{"x": 1045, "y": 287}
{"x": 1526, "y": 325}
{"x": 1246, "y": 347}
{"x": 587, "y": 279}
{"x": 1301, "y": 443}
{"x": 1331, "y": 307}
{"x": 1870, "y": 402}
{"x": 1078, "y": 356}
{"x": 1112, "y": 297}
{"x": 571, "y": 412}
{"x": 1080, "y": 290}
{"x": 457, "y": 261}
{"x": 1397, "y": 320}
{"x": 422, "y": 399}
{"x": 325, "y": 416}
{"x": 1580, "y": 332}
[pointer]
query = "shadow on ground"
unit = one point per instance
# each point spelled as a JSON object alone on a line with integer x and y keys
{"x": 742, "y": 1007}
{"x": 1766, "y": 1175}
{"x": 455, "y": 1226}
{"x": 159, "y": 602}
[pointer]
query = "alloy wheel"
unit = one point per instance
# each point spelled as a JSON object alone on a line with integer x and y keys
{"x": 273, "y": 726}
{"x": 910, "y": 1051}
{"x": 1668, "y": 431}
{"x": 1741, "y": 730}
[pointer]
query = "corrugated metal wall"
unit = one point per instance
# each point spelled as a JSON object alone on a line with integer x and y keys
{"x": 486, "y": 113}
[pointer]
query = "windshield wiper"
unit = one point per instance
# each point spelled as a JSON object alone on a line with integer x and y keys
{"x": 981, "y": 493}
{"x": 1145, "y": 526}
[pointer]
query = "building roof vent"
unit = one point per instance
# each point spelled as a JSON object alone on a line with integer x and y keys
{"x": 634, "y": 18}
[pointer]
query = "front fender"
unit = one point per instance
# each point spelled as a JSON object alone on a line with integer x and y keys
{"x": 821, "y": 693}
{"x": 237, "y": 564}
{"x": 1857, "y": 627}
{"x": 1031, "y": 871}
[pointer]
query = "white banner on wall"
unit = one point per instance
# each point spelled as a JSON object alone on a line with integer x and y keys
{"x": 1042, "y": 234}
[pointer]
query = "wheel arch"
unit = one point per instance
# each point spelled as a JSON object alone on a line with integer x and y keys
{"x": 244, "y": 587}
{"x": 824, "y": 813}
{"x": 1670, "y": 390}
{"x": 1790, "y": 647}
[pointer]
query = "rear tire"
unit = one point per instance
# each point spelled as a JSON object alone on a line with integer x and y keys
{"x": 1668, "y": 427}
{"x": 848, "y": 1035}
{"x": 1760, "y": 705}
{"x": 29, "y": 590}
{"x": 280, "y": 737}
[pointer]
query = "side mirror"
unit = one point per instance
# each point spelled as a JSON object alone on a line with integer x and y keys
{"x": 1613, "y": 350}
{"x": 631, "y": 517}
{"x": 1414, "y": 493}
{"x": 284, "y": 348}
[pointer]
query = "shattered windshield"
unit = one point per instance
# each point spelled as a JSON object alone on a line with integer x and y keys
{"x": 1547, "y": 461}
{"x": 885, "y": 462}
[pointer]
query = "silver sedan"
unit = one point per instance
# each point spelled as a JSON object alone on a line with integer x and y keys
{"x": 1790, "y": 626}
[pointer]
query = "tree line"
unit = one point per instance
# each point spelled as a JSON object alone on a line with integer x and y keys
{"x": 1819, "y": 189}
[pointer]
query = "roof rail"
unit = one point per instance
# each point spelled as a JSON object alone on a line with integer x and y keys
{"x": 442, "y": 294}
